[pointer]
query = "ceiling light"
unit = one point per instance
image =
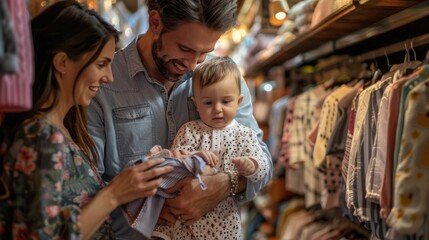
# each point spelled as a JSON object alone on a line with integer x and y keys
{"x": 278, "y": 11}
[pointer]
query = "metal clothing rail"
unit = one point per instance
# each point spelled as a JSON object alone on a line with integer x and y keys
{"x": 406, "y": 45}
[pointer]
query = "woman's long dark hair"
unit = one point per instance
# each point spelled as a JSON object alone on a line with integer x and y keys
{"x": 69, "y": 27}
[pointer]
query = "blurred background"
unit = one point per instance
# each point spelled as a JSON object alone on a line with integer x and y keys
{"x": 301, "y": 50}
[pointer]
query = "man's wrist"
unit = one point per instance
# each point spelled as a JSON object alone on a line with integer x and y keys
{"x": 234, "y": 182}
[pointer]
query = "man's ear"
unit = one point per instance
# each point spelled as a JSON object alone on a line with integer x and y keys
{"x": 155, "y": 24}
{"x": 240, "y": 99}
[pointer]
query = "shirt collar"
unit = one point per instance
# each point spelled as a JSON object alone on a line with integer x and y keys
{"x": 135, "y": 64}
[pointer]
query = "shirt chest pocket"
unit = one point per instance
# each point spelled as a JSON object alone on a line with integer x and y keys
{"x": 134, "y": 130}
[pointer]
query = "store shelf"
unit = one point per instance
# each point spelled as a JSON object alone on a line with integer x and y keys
{"x": 408, "y": 16}
{"x": 353, "y": 16}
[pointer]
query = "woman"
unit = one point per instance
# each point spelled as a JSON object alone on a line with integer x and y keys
{"x": 54, "y": 191}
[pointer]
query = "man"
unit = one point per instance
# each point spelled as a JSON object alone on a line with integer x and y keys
{"x": 150, "y": 100}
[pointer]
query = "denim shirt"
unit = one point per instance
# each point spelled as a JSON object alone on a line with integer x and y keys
{"x": 135, "y": 113}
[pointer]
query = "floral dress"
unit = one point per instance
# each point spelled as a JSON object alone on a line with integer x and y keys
{"x": 49, "y": 183}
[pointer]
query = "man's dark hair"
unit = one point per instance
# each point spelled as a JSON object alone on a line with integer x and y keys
{"x": 219, "y": 15}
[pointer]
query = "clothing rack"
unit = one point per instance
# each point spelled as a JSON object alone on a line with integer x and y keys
{"x": 407, "y": 45}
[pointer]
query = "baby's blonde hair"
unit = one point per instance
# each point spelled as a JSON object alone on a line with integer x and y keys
{"x": 214, "y": 70}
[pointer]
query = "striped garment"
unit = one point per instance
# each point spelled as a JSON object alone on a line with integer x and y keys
{"x": 143, "y": 214}
{"x": 16, "y": 89}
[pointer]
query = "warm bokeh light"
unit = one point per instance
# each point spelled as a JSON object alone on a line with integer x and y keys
{"x": 280, "y": 16}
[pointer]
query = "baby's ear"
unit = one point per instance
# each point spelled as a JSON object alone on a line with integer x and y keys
{"x": 195, "y": 103}
{"x": 240, "y": 99}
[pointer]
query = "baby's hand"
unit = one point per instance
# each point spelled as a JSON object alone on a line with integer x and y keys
{"x": 210, "y": 158}
{"x": 158, "y": 151}
{"x": 180, "y": 153}
{"x": 246, "y": 166}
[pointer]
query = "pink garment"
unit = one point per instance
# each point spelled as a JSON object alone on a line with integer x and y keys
{"x": 392, "y": 122}
{"x": 317, "y": 111}
{"x": 312, "y": 135}
{"x": 284, "y": 148}
{"x": 16, "y": 89}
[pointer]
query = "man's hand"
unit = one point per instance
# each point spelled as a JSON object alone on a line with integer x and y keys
{"x": 166, "y": 217}
{"x": 192, "y": 202}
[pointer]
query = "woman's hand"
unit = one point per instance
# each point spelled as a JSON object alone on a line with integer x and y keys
{"x": 139, "y": 181}
{"x": 135, "y": 182}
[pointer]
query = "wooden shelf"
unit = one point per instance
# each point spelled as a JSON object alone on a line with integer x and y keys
{"x": 355, "y": 15}
{"x": 415, "y": 17}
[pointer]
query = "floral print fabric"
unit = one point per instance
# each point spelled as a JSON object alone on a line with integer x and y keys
{"x": 49, "y": 183}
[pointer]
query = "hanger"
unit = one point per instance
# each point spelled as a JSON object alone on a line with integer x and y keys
{"x": 376, "y": 76}
{"x": 405, "y": 68}
{"x": 392, "y": 68}
{"x": 387, "y": 58}
{"x": 409, "y": 66}
{"x": 376, "y": 73}
{"x": 407, "y": 55}
{"x": 375, "y": 68}
{"x": 414, "y": 51}
{"x": 391, "y": 72}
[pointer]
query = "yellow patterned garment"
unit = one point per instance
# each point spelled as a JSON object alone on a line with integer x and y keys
{"x": 410, "y": 209}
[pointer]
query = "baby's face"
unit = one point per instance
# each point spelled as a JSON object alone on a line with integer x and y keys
{"x": 217, "y": 104}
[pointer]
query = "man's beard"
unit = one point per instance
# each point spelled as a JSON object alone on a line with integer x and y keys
{"x": 162, "y": 65}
